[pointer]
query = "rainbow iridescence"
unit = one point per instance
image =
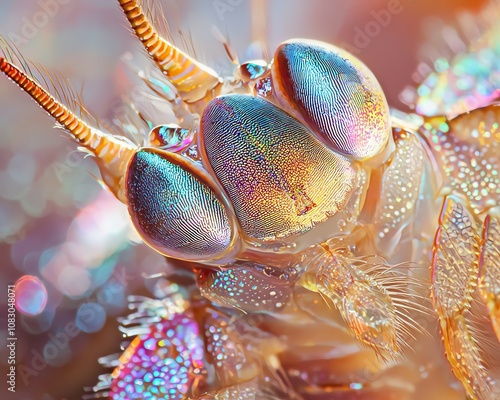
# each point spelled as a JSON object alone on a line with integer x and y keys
{"x": 335, "y": 94}
{"x": 300, "y": 220}
{"x": 163, "y": 363}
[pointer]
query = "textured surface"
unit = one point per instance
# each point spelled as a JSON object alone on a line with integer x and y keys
{"x": 489, "y": 276}
{"x": 467, "y": 148}
{"x": 173, "y": 211}
{"x": 400, "y": 190}
{"x": 455, "y": 258}
{"x": 161, "y": 364}
{"x": 336, "y": 95}
{"x": 227, "y": 350}
{"x": 249, "y": 286}
{"x": 280, "y": 179}
{"x": 454, "y": 278}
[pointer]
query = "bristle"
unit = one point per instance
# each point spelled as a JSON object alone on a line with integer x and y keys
{"x": 143, "y": 321}
{"x": 233, "y": 57}
{"x": 110, "y": 361}
{"x": 163, "y": 107}
{"x": 112, "y": 152}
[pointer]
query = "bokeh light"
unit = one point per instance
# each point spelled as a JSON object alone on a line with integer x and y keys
{"x": 31, "y": 295}
{"x": 90, "y": 317}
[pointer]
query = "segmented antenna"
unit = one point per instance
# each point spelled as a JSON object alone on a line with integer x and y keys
{"x": 112, "y": 153}
{"x": 192, "y": 79}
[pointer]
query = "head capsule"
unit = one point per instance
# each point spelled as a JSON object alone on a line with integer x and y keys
{"x": 335, "y": 94}
{"x": 176, "y": 207}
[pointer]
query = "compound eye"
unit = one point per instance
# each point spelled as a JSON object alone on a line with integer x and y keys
{"x": 281, "y": 180}
{"x": 170, "y": 137}
{"x": 335, "y": 94}
{"x": 175, "y": 208}
{"x": 252, "y": 70}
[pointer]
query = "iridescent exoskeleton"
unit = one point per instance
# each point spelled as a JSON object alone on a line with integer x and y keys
{"x": 293, "y": 197}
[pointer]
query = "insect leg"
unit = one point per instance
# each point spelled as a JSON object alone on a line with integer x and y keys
{"x": 489, "y": 269}
{"x": 454, "y": 278}
{"x": 365, "y": 305}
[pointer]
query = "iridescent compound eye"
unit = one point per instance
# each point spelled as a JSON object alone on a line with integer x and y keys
{"x": 251, "y": 70}
{"x": 281, "y": 180}
{"x": 335, "y": 94}
{"x": 175, "y": 208}
{"x": 170, "y": 137}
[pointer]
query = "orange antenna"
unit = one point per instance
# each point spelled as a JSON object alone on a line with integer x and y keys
{"x": 112, "y": 153}
{"x": 192, "y": 79}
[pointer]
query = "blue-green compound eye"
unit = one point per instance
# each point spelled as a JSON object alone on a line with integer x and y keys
{"x": 335, "y": 94}
{"x": 175, "y": 209}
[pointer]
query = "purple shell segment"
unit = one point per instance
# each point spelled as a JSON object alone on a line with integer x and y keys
{"x": 163, "y": 364}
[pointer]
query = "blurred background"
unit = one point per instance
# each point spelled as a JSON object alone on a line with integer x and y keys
{"x": 65, "y": 243}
